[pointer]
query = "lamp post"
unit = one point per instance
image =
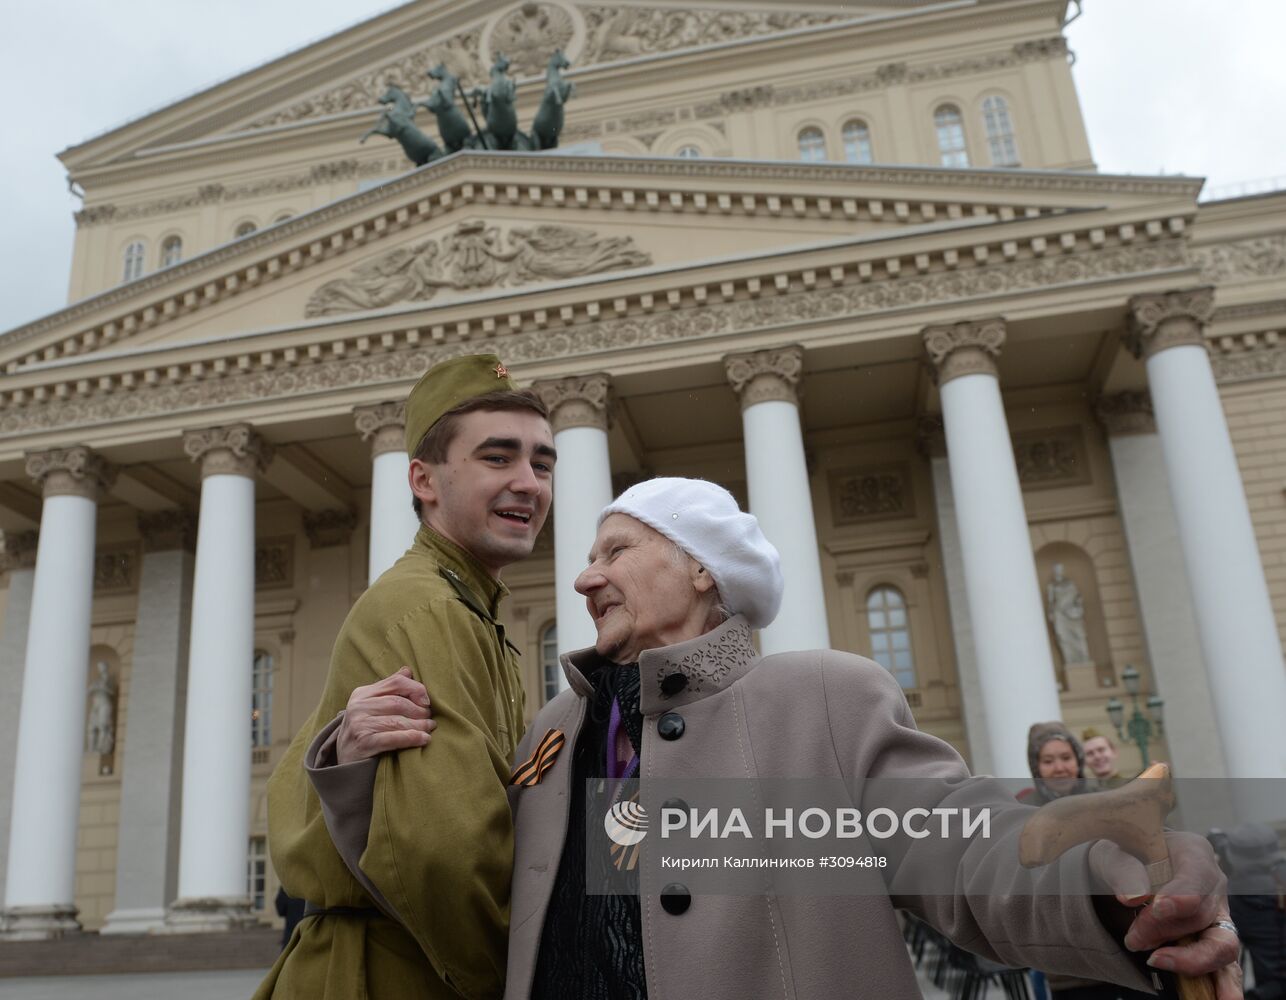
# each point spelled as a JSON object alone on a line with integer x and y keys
{"x": 1141, "y": 728}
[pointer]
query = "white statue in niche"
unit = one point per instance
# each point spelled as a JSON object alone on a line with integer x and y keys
{"x": 100, "y": 730}
{"x": 1066, "y": 612}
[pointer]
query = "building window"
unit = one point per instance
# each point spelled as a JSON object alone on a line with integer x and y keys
{"x": 261, "y": 700}
{"x": 689, "y": 152}
{"x": 951, "y": 137}
{"x": 257, "y": 872}
{"x": 812, "y": 145}
{"x": 857, "y": 142}
{"x": 890, "y": 633}
{"x": 171, "y": 251}
{"x": 283, "y": 217}
{"x": 134, "y": 261}
{"x": 1000, "y": 132}
{"x": 245, "y": 229}
{"x": 551, "y": 670}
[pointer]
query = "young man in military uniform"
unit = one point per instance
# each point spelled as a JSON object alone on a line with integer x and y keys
{"x": 427, "y": 913}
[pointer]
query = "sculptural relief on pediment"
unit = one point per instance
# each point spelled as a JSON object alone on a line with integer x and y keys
{"x": 526, "y": 33}
{"x": 474, "y": 256}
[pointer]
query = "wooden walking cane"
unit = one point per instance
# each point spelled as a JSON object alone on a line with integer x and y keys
{"x": 1132, "y": 817}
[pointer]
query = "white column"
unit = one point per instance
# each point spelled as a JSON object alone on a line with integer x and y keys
{"x": 147, "y": 852}
{"x": 1014, "y": 662}
{"x": 579, "y": 410}
{"x": 41, "y": 879}
{"x": 393, "y": 520}
{"x": 1161, "y": 582}
{"x": 215, "y": 819}
{"x": 19, "y": 562}
{"x": 933, "y": 444}
{"x": 1234, "y": 613}
{"x": 780, "y": 497}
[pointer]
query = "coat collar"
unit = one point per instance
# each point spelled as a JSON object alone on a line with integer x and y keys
{"x": 709, "y": 663}
{"x": 464, "y": 568}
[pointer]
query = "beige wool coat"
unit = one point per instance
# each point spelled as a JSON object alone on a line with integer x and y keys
{"x": 819, "y": 714}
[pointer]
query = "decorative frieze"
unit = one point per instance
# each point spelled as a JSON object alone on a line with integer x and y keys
{"x": 875, "y": 494}
{"x": 234, "y": 450}
{"x": 641, "y": 320}
{"x": 383, "y": 425}
{"x": 1242, "y": 260}
{"x": 168, "y": 530}
{"x": 274, "y": 563}
{"x": 329, "y": 528}
{"x": 763, "y": 376}
{"x": 1267, "y": 359}
{"x": 474, "y": 256}
{"x": 116, "y": 569}
{"x": 1126, "y": 413}
{"x": 1168, "y": 319}
{"x": 19, "y": 550}
{"x": 1051, "y": 457}
{"x": 968, "y": 348}
{"x": 577, "y": 401}
{"x": 75, "y": 472}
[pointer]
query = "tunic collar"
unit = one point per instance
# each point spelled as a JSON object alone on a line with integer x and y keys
{"x": 464, "y": 567}
{"x": 709, "y": 664}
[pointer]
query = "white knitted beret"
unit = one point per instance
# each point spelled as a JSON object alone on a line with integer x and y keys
{"x": 703, "y": 519}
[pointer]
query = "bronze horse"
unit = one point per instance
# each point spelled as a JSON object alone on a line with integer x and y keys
{"x": 455, "y": 130}
{"x": 548, "y": 123}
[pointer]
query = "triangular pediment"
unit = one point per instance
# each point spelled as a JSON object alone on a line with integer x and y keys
{"x": 481, "y": 225}
{"x": 347, "y": 72}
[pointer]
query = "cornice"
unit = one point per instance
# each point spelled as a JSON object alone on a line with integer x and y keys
{"x": 336, "y": 367}
{"x": 500, "y": 179}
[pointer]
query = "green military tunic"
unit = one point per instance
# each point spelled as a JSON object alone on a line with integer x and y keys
{"x": 440, "y": 844}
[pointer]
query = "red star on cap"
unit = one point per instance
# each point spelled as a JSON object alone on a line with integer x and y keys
{"x": 502, "y": 371}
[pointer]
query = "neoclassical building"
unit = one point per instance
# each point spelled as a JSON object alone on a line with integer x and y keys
{"x": 1014, "y": 424}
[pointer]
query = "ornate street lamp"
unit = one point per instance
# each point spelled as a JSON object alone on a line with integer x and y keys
{"x": 1141, "y": 728}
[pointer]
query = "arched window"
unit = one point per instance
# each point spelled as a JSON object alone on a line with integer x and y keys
{"x": 245, "y": 229}
{"x": 857, "y": 142}
{"x": 890, "y": 633}
{"x": 134, "y": 254}
{"x": 171, "y": 251}
{"x": 951, "y": 137}
{"x": 689, "y": 152}
{"x": 812, "y": 145}
{"x": 283, "y": 217}
{"x": 550, "y": 669}
{"x": 1000, "y": 132}
{"x": 261, "y": 700}
{"x": 257, "y": 872}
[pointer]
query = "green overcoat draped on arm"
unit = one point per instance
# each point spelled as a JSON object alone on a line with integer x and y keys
{"x": 442, "y": 871}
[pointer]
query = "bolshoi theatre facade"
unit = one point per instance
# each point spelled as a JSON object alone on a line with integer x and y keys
{"x": 1014, "y": 424}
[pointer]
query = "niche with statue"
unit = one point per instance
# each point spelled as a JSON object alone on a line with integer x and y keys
{"x": 1074, "y": 617}
{"x": 102, "y": 699}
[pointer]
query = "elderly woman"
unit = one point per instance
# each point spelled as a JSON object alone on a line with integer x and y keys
{"x": 677, "y": 580}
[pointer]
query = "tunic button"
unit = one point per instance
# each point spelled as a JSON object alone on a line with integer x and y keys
{"x": 670, "y": 726}
{"x": 672, "y": 684}
{"x": 675, "y": 898}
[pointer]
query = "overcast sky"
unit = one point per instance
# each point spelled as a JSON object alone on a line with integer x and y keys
{"x": 1173, "y": 86}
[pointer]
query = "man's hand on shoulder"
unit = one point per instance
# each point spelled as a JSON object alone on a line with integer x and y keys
{"x": 391, "y": 714}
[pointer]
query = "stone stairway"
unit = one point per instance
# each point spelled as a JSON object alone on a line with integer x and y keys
{"x": 92, "y": 954}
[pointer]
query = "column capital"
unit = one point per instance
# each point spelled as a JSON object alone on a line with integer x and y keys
{"x": 328, "y": 528}
{"x": 1126, "y": 413}
{"x": 19, "y": 550}
{"x": 233, "y": 450}
{"x": 383, "y": 425}
{"x": 1169, "y": 319}
{"x": 967, "y": 348}
{"x": 763, "y": 376}
{"x": 577, "y": 401}
{"x": 73, "y": 472}
{"x": 168, "y": 530}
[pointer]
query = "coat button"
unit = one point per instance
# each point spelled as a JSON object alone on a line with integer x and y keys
{"x": 675, "y": 898}
{"x": 672, "y": 684}
{"x": 670, "y": 726}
